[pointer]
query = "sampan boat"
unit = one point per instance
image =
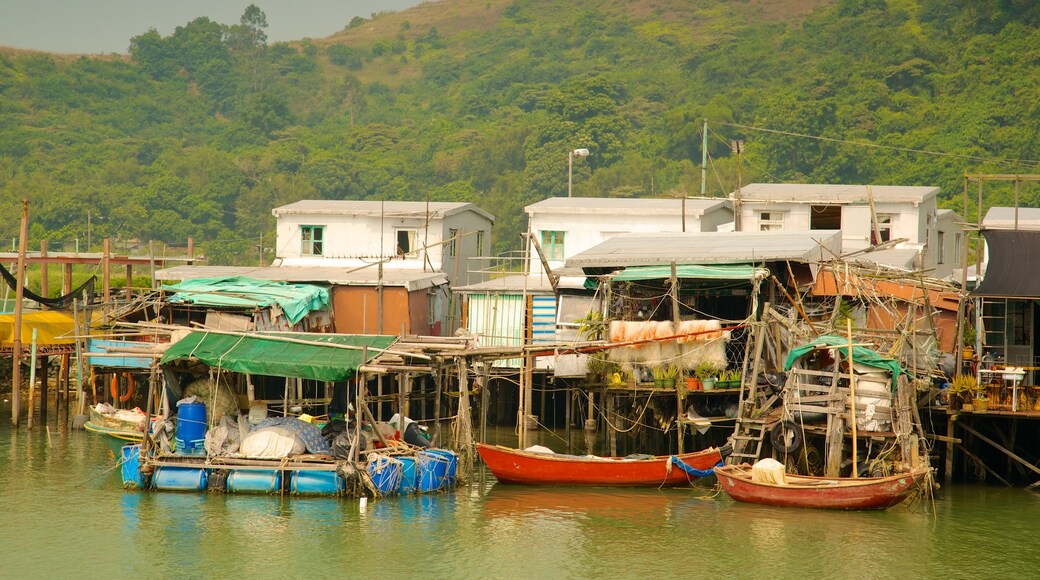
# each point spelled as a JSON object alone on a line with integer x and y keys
{"x": 526, "y": 467}
{"x": 838, "y": 493}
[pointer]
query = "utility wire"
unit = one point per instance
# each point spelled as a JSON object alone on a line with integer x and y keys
{"x": 888, "y": 147}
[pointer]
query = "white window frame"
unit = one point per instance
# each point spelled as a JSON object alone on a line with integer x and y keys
{"x": 940, "y": 254}
{"x": 771, "y": 221}
{"x": 413, "y": 243}
{"x": 885, "y": 222}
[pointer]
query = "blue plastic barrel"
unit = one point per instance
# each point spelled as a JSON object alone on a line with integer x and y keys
{"x": 409, "y": 475}
{"x": 179, "y": 478}
{"x": 254, "y": 481}
{"x": 131, "y": 467}
{"x": 451, "y": 458}
{"x": 385, "y": 472}
{"x": 316, "y": 482}
{"x": 433, "y": 471}
{"x": 191, "y": 427}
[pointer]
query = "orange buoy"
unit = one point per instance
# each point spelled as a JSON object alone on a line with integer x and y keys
{"x": 124, "y": 397}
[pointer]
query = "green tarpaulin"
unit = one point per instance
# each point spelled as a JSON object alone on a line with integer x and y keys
{"x": 716, "y": 272}
{"x": 861, "y": 355}
{"x": 295, "y": 300}
{"x": 266, "y": 355}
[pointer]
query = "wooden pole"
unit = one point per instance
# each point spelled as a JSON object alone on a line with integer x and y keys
{"x": 852, "y": 407}
{"x": 16, "y": 369}
{"x": 43, "y": 272}
{"x": 32, "y": 380}
{"x": 44, "y": 387}
{"x": 106, "y": 270}
{"x": 438, "y": 389}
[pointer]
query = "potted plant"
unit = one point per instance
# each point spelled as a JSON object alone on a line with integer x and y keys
{"x": 665, "y": 376}
{"x": 729, "y": 379}
{"x": 962, "y": 391}
{"x": 968, "y": 338}
{"x": 707, "y": 372}
{"x": 693, "y": 382}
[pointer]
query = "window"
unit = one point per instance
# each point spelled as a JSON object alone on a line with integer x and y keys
{"x": 480, "y": 242}
{"x": 453, "y": 233}
{"x": 552, "y": 245}
{"x": 884, "y": 226}
{"x": 770, "y": 221}
{"x": 825, "y": 217}
{"x": 406, "y": 242}
{"x": 940, "y": 256}
{"x": 313, "y": 240}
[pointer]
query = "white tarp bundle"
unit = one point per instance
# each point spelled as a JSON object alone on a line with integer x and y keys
{"x": 768, "y": 471}
{"x": 272, "y": 443}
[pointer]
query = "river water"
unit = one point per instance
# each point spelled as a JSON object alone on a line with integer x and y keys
{"x": 63, "y": 512}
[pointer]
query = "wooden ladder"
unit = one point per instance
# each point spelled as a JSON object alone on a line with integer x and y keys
{"x": 748, "y": 436}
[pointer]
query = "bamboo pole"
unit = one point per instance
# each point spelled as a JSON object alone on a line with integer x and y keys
{"x": 852, "y": 407}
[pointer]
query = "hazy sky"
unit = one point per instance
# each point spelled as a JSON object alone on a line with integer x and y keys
{"x": 104, "y": 26}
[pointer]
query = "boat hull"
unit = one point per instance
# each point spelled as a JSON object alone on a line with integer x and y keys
{"x": 867, "y": 493}
{"x": 118, "y": 434}
{"x": 521, "y": 467}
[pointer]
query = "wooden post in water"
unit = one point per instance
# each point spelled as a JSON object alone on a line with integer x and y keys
{"x": 438, "y": 390}
{"x": 19, "y": 293}
{"x": 852, "y": 401}
{"x": 44, "y": 363}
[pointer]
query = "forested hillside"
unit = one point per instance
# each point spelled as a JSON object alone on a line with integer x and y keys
{"x": 202, "y": 132}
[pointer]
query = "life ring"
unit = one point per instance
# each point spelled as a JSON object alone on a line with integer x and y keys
{"x": 786, "y": 437}
{"x": 129, "y": 388}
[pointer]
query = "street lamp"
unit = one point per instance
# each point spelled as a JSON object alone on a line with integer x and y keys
{"x": 570, "y": 166}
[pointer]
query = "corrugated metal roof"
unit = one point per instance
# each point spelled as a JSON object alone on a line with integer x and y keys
{"x": 709, "y": 248}
{"x": 411, "y": 279}
{"x": 436, "y": 209}
{"x": 835, "y": 193}
{"x": 901, "y": 258}
{"x": 1003, "y": 218}
{"x": 516, "y": 283}
{"x": 628, "y": 205}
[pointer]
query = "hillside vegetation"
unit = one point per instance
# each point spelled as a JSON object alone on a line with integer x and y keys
{"x": 202, "y": 132}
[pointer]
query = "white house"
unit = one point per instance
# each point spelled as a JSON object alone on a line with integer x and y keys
{"x": 909, "y": 213}
{"x": 405, "y": 235}
{"x": 391, "y": 264}
{"x": 566, "y": 226}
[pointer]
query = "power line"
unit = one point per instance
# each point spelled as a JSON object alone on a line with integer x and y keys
{"x": 888, "y": 147}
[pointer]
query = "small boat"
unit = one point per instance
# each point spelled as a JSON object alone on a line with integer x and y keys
{"x": 122, "y": 434}
{"x": 837, "y": 493}
{"x": 120, "y": 424}
{"x": 533, "y": 468}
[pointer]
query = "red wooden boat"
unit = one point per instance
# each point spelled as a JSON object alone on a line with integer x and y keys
{"x": 525, "y": 467}
{"x": 838, "y": 493}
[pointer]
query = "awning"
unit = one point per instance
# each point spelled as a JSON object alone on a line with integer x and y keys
{"x": 1011, "y": 272}
{"x": 267, "y": 355}
{"x": 295, "y": 300}
{"x": 861, "y": 355}
{"x": 52, "y": 328}
{"x": 699, "y": 271}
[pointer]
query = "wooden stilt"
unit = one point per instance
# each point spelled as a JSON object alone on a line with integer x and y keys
{"x": 44, "y": 388}
{"x": 984, "y": 466}
{"x": 438, "y": 387}
{"x": 567, "y": 416}
{"x": 1001, "y": 448}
